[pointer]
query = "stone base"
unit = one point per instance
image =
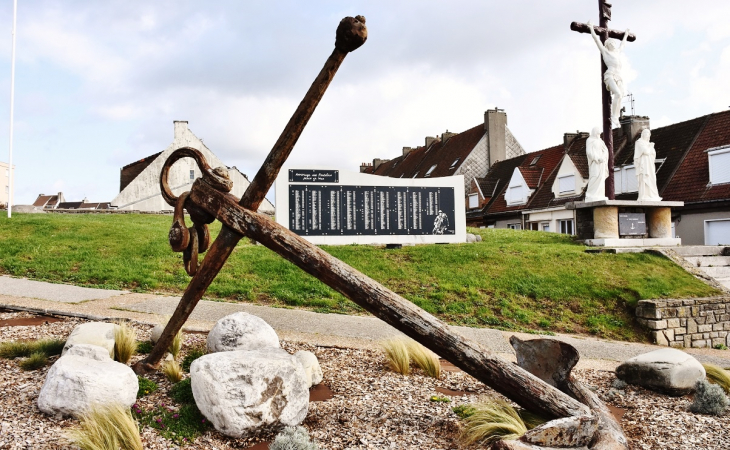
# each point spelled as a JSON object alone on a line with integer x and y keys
{"x": 647, "y": 242}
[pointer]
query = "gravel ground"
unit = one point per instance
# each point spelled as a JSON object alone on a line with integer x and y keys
{"x": 372, "y": 407}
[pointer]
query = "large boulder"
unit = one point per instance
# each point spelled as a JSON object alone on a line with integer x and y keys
{"x": 241, "y": 331}
{"x": 668, "y": 370}
{"x": 89, "y": 351}
{"x": 309, "y": 361}
{"x": 94, "y": 333}
{"x": 156, "y": 333}
{"x": 74, "y": 383}
{"x": 241, "y": 392}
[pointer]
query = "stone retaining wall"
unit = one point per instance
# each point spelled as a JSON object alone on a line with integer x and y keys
{"x": 698, "y": 322}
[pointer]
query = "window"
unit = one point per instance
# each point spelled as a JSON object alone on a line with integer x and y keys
{"x": 629, "y": 183}
{"x": 428, "y": 174}
{"x": 617, "y": 181}
{"x": 545, "y": 226}
{"x": 514, "y": 226}
{"x": 515, "y": 195}
{"x": 567, "y": 184}
{"x": 192, "y": 174}
{"x": 473, "y": 201}
{"x": 453, "y": 164}
{"x": 720, "y": 166}
{"x": 535, "y": 160}
{"x": 566, "y": 226}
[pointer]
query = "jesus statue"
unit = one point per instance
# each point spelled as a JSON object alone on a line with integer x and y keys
{"x": 611, "y": 53}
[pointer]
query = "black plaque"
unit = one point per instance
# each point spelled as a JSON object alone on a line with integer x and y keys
{"x": 328, "y": 210}
{"x": 631, "y": 224}
{"x": 314, "y": 176}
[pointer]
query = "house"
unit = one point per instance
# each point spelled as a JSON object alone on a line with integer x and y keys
{"x": 470, "y": 153}
{"x": 5, "y": 183}
{"x": 692, "y": 165}
{"x": 139, "y": 182}
{"x": 48, "y": 201}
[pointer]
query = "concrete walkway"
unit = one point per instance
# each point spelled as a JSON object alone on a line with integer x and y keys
{"x": 290, "y": 324}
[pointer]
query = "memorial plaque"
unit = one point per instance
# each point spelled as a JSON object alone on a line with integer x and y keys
{"x": 314, "y": 176}
{"x": 340, "y": 207}
{"x": 631, "y": 224}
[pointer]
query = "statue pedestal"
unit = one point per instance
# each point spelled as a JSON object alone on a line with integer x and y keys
{"x": 625, "y": 223}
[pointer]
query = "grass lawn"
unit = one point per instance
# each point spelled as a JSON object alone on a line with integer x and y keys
{"x": 516, "y": 280}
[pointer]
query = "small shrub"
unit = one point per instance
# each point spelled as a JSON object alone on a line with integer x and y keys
{"x": 144, "y": 347}
{"x": 35, "y": 361}
{"x": 107, "y": 427}
{"x": 463, "y": 411}
{"x": 146, "y": 386}
{"x": 182, "y": 392}
{"x": 125, "y": 342}
{"x": 181, "y": 426}
{"x": 709, "y": 399}
{"x": 492, "y": 421}
{"x": 440, "y": 399}
{"x": 193, "y": 354}
{"x": 719, "y": 376}
{"x": 424, "y": 359}
{"x": 176, "y": 345}
{"x": 172, "y": 371}
{"x": 396, "y": 352}
{"x": 293, "y": 438}
{"x": 720, "y": 347}
{"x": 23, "y": 349}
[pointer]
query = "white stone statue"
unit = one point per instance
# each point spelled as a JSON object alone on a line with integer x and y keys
{"x": 611, "y": 53}
{"x": 597, "y": 155}
{"x": 644, "y": 156}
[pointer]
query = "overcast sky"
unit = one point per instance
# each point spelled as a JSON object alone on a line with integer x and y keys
{"x": 99, "y": 83}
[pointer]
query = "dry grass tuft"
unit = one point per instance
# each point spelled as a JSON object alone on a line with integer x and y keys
{"x": 106, "y": 427}
{"x": 424, "y": 359}
{"x": 396, "y": 352}
{"x": 491, "y": 421}
{"x": 125, "y": 342}
{"x": 176, "y": 345}
{"x": 35, "y": 361}
{"x": 719, "y": 376}
{"x": 172, "y": 371}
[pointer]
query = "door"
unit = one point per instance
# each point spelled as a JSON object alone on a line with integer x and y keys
{"x": 717, "y": 232}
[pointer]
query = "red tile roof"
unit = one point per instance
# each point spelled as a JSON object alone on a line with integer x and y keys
{"x": 43, "y": 200}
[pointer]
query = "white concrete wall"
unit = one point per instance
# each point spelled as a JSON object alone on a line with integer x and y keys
{"x": 143, "y": 193}
{"x": 5, "y": 183}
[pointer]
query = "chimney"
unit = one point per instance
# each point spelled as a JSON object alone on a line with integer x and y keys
{"x": 406, "y": 150}
{"x": 568, "y": 138}
{"x": 447, "y": 135}
{"x": 378, "y": 161}
{"x": 363, "y": 167}
{"x": 495, "y": 124}
{"x": 633, "y": 125}
{"x": 181, "y": 126}
{"x": 430, "y": 140}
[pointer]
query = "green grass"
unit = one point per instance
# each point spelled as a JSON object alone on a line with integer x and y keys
{"x": 182, "y": 392}
{"x": 146, "y": 386}
{"x": 193, "y": 354}
{"x": 512, "y": 280}
{"x": 105, "y": 428}
{"x": 144, "y": 347}
{"x": 24, "y": 349}
{"x": 35, "y": 361}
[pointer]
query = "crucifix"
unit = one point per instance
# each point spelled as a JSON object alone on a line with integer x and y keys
{"x": 579, "y": 418}
{"x": 609, "y": 75}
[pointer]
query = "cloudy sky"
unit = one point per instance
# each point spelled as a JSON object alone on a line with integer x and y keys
{"x": 98, "y": 84}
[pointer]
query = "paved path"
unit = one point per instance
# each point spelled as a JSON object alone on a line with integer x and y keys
{"x": 292, "y": 324}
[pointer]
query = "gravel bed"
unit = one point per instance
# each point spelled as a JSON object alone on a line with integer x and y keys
{"x": 372, "y": 408}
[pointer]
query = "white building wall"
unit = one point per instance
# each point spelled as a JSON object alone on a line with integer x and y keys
{"x": 143, "y": 193}
{"x": 476, "y": 164}
{"x": 567, "y": 168}
{"x": 5, "y": 193}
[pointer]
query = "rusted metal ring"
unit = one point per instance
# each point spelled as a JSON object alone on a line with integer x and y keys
{"x": 215, "y": 178}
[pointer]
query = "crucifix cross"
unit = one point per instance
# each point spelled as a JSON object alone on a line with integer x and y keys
{"x": 604, "y": 33}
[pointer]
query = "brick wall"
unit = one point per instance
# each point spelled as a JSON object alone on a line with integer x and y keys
{"x": 698, "y": 322}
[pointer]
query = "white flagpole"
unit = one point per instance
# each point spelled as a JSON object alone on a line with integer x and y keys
{"x": 12, "y": 99}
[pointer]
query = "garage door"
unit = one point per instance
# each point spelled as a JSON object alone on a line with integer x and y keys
{"x": 717, "y": 232}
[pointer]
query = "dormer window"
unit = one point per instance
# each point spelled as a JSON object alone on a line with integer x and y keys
{"x": 719, "y": 165}
{"x": 428, "y": 174}
{"x": 566, "y": 184}
{"x": 517, "y": 191}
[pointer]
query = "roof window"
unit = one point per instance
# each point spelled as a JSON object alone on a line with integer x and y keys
{"x": 535, "y": 160}
{"x": 453, "y": 164}
{"x": 428, "y": 174}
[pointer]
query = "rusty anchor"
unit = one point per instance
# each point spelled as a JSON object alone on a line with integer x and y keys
{"x": 575, "y": 422}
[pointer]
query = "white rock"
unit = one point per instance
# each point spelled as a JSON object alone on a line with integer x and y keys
{"x": 311, "y": 366}
{"x": 74, "y": 383}
{"x": 241, "y": 331}
{"x": 156, "y": 332}
{"x": 668, "y": 370}
{"x": 89, "y": 351}
{"x": 94, "y": 333}
{"x": 242, "y": 391}
{"x": 470, "y": 238}
{"x": 478, "y": 237}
